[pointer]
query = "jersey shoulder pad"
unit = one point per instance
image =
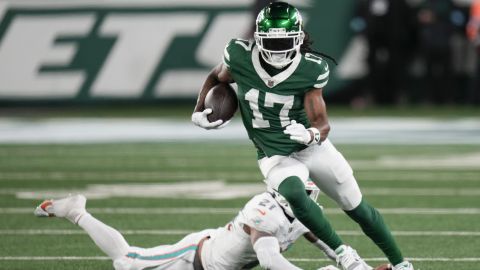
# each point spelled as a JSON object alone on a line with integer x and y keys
{"x": 318, "y": 68}
{"x": 235, "y": 50}
{"x": 262, "y": 214}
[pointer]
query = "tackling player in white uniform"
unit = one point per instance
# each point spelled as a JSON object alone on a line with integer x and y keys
{"x": 261, "y": 231}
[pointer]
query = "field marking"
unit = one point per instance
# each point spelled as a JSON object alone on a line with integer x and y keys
{"x": 427, "y": 192}
{"x": 54, "y": 258}
{"x": 470, "y": 160}
{"x": 438, "y": 259}
{"x": 216, "y": 190}
{"x": 125, "y": 176}
{"x": 419, "y": 176}
{"x": 377, "y": 174}
{"x": 230, "y": 211}
{"x": 354, "y": 130}
{"x": 103, "y": 258}
{"x": 454, "y": 175}
{"x": 183, "y": 232}
{"x": 233, "y": 191}
{"x": 80, "y": 232}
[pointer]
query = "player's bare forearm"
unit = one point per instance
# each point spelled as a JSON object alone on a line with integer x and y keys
{"x": 310, "y": 237}
{"x": 316, "y": 111}
{"x": 210, "y": 82}
{"x": 219, "y": 74}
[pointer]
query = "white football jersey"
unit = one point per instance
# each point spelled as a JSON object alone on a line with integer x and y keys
{"x": 230, "y": 248}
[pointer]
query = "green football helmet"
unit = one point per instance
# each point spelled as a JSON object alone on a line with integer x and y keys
{"x": 279, "y": 33}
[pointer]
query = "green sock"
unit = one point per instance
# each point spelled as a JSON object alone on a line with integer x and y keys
{"x": 308, "y": 212}
{"x": 373, "y": 226}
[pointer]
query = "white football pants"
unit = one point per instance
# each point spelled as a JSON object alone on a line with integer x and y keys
{"x": 324, "y": 165}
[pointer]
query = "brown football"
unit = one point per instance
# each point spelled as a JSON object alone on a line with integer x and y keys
{"x": 222, "y": 99}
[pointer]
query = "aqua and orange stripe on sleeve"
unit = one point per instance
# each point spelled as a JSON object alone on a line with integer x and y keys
{"x": 165, "y": 256}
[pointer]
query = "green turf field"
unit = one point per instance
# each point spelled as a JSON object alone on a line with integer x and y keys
{"x": 429, "y": 195}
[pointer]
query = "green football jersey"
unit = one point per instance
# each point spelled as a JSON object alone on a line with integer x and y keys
{"x": 268, "y": 103}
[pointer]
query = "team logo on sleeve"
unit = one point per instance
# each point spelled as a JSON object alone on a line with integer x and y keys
{"x": 263, "y": 213}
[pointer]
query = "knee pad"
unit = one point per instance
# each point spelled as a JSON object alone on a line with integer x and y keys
{"x": 293, "y": 190}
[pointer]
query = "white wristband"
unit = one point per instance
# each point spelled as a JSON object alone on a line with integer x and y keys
{"x": 316, "y": 136}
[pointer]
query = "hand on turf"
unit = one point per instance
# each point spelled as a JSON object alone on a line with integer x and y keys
{"x": 200, "y": 119}
{"x": 298, "y": 133}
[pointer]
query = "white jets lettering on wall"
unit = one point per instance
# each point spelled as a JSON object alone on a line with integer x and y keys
{"x": 141, "y": 42}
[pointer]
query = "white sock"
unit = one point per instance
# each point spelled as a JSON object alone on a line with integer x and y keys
{"x": 109, "y": 240}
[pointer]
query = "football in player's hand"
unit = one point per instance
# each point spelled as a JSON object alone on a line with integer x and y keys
{"x": 223, "y": 102}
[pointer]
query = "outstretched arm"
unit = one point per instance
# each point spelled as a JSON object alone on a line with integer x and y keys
{"x": 268, "y": 251}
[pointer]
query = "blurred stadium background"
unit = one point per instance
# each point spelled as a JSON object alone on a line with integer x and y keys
{"x": 96, "y": 97}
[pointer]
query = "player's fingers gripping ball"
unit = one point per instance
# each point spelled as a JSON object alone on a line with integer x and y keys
{"x": 220, "y": 105}
{"x": 201, "y": 119}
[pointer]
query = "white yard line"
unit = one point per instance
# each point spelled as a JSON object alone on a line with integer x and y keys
{"x": 76, "y": 232}
{"x": 229, "y": 211}
{"x": 354, "y": 130}
{"x": 375, "y": 173}
{"x": 215, "y": 190}
{"x": 183, "y": 232}
{"x": 423, "y": 192}
{"x": 437, "y": 259}
{"x": 470, "y": 160}
{"x": 230, "y": 176}
{"x": 123, "y": 176}
{"x": 103, "y": 258}
{"x": 54, "y": 258}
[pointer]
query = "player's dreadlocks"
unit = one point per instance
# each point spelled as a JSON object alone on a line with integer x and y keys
{"x": 306, "y": 47}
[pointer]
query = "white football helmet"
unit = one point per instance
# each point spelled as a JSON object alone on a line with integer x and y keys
{"x": 311, "y": 189}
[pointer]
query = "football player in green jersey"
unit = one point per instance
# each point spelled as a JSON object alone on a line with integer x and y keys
{"x": 280, "y": 81}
